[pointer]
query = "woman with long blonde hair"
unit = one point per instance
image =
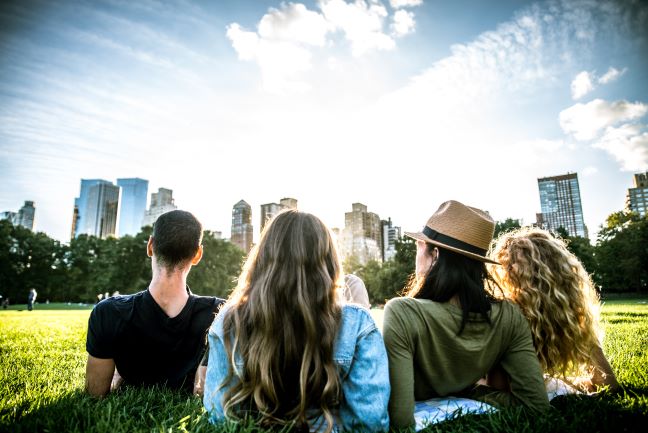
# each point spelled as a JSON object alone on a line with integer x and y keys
{"x": 285, "y": 351}
{"x": 558, "y": 298}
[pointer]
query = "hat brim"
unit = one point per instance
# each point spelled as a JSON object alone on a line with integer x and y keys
{"x": 421, "y": 237}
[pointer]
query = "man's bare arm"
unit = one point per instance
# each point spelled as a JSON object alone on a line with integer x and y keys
{"x": 99, "y": 376}
{"x": 199, "y": 382}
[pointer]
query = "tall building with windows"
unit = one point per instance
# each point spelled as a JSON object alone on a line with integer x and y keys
{"x": 269, "y": 210}
{"x": 101, "y": 210}
{"x": 362, "y": 234}
{"x": 637, "y": 197}
{"x": 79, "y": 224}
{"x": 390, "y": 234}
{"x": 24, "y": 217}
{"x": 242, "y": 226}
{"x": 161, "y": 202}
{"x": 133, "y": 205}
{"x": 9, "y": 215}
{"x": 561, "y": 205}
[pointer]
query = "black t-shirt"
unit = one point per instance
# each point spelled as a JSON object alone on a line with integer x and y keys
{"x": 147, "y": 346}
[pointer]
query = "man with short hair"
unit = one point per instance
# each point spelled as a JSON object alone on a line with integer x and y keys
{"x": 157, "y": 336}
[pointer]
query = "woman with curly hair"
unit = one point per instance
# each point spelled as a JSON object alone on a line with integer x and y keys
{"x": 557, "y": 296}
{"x": 285, "y": 351}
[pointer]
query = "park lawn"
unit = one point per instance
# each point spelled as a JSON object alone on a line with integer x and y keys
{"x": 42, "y": 361}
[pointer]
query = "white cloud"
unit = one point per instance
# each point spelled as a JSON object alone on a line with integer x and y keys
{"x": 285, "y": 38}
{"x": 244, "y": 42}
{"x": 361, "y": 22}
{"x": 404, "y": 3}
{"x": 628, "y": 144}
{"x": 582, "y": 85}
{"x": 611, "y": 75}
{"x": 585, "y": 81}
{"x": 294, "y": 23}
{"x": 497, "y": 63}
{"x": 280, "y": 62}
{"x": 590, "y": 170}
{"x": 403, "y": 23}
{"x": 584, "y": 121}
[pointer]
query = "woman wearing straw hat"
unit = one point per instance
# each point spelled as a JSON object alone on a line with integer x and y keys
{"x": 449, "y": 330}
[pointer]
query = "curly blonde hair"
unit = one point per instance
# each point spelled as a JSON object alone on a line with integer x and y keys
{"x": 556, "y": 295}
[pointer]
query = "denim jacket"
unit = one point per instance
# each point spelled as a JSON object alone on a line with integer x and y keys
{"x": 361, "y": 358}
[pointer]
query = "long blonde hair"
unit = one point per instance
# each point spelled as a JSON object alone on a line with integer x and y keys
{"x": 283, "y": 319}
{"x": 556, "y": 295}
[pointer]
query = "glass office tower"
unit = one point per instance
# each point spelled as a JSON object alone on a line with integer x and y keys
{"x": 133, "y": 205}
{"x": 561, "y": 206}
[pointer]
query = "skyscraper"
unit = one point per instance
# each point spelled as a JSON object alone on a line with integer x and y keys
{"x": 560, "y": 202}
{"x": 80, "y": 206}
{"x": 102, "y": 209}
{"x": 24, "y": 217}
{"x": 161, "y": 202}
{"x": 132, "y": 206}
{"x": 637, "y": 197}
{"x": 242, "y": 226}
{"x": 269, "y": 210}
{"x": 362, "y": 235}
{"x": 390, "y": 234}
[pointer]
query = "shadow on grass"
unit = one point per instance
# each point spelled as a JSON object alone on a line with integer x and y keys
{"x": 623, "y": 411}
{"x": 130, "y": 410}
{"x": 160, "y": 410}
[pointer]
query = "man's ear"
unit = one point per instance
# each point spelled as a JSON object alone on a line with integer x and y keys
{"x": 198, "y": 256}
{"x": 149, "y": 247}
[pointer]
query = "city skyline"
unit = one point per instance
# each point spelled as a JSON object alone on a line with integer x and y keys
{"x": 167, "y": 203}
{"x": 401, "y": 105}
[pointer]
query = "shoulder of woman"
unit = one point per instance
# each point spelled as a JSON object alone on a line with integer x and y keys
{"x": 216, "y": 327}
{"x": 512, "y": 314}
{"x": 399, "y": 303}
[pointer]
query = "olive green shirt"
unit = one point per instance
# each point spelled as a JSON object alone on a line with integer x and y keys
{"x": 427, "y": 358}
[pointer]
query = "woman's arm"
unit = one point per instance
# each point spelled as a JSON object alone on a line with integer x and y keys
{"x": 366, "y": 387}
{"x": 602, "y": 374}
{"x": 401, "y": 369}
{"x": 217, "y": 369}
{"x": 521, "y": 364}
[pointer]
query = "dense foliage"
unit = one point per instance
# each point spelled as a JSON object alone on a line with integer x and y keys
{"x": 90, "y": 266}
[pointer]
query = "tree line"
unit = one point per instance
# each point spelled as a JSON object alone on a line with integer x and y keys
{"x": 89, "y": 266}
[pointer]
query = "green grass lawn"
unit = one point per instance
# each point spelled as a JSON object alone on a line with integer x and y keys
{"x": 42, "y": 362}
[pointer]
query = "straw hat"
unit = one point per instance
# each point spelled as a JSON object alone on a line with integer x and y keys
{"x": 459, "y": 228}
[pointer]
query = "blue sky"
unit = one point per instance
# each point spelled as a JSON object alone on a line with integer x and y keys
{"x": 398, "y": 104}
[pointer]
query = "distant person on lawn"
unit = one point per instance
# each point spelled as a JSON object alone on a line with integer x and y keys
{"x": 286, "y": 350}
{"x": 157, "y": 336}
{"x": 31, "y": 298}
{"x": 450, "y": 330}
{"x": 557, "y": 296}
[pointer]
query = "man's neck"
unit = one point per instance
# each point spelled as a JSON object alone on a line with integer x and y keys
{"x": 169, "y": 290}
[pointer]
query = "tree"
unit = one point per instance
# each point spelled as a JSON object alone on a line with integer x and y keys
{"x": 622, "y": 253}
{"x": 217, "y": 271}
{"x": 506, "y": 226}
{"x": 581, "y": 248}
{"x": 388, "y": 279}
